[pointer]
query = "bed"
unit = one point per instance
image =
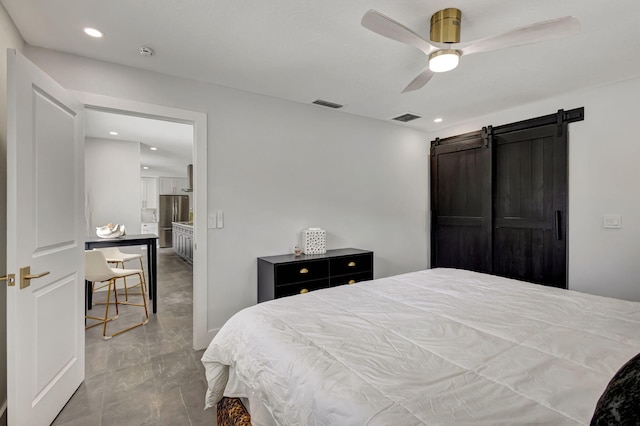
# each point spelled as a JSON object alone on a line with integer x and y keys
{"x": 440, "y": 346}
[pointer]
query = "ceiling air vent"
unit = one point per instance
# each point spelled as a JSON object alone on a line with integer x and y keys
{"x": 327, "y": 104}
{"x": 406, "y": 117}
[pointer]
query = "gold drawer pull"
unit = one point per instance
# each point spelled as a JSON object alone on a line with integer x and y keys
{"x": 352, "y": 264}
{"x": 352, "y": 281}
{"x": 303, "y": 291}
{"x": 304, "y": 271}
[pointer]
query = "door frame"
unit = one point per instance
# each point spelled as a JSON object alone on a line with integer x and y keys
{"x": 201, "y": 334}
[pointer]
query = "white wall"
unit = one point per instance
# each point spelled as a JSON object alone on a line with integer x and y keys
{"x": 112, "y": 184}
{"x": 604, "y": 177}
{"x": 9, "y": 39}
{"x": 276, "y": 167}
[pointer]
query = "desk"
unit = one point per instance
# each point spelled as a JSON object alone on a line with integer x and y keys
{"x": 131, "y": 240}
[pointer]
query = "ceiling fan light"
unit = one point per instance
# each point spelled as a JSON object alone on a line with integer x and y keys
{"x": 444, "y": 60}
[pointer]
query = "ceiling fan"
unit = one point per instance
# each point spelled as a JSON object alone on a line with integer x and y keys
{"x": 444, "y": 48}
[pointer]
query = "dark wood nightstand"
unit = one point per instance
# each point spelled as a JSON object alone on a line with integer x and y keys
{"x": 286, "y": 275}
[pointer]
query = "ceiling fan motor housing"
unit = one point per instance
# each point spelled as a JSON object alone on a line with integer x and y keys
{"x": 445, "y": 26}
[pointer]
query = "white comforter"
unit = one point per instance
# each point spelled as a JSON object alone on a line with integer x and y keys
{"x": 440, "y": 346}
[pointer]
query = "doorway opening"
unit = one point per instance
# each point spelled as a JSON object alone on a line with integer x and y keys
{"x": 137, "y": 176}
{"x": 196, "y": 123}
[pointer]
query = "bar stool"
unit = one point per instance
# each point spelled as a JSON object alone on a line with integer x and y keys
{"x": 97, "y": 270}
{"x": 116, "y": 257}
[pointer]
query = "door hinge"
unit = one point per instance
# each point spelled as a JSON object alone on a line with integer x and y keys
{"x": 560, "y": 122}
{"x": 487, "y": 136}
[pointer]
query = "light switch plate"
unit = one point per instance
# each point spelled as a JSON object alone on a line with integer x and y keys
{"x": 220, "y": 219}
{"x": 612, "y": 221}
{"x": 211, "y": 221}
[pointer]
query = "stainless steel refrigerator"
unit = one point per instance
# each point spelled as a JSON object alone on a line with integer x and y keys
{"x": 173, "y": 208}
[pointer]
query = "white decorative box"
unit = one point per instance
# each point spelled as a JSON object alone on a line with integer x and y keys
{"x": 314, "y": 241}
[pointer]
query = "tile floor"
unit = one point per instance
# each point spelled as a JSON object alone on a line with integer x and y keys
{"x": 149, "y": 375}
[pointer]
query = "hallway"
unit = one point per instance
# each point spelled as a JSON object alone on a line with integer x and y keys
{"x": 149, "y": 375}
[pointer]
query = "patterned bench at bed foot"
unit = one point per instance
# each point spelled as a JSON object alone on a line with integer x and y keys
{"x": 231, "y": 412}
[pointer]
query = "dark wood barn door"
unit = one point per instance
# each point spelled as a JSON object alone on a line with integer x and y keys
{"x": 529, "y": 205}
{"x": 460, "y": 203}
{"x": 499, "y": 199}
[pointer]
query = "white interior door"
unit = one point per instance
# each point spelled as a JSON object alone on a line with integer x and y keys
{"x": 45, "y": 180}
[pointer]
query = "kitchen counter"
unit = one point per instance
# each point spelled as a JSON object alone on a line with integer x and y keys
{"x": 186, "y": 224}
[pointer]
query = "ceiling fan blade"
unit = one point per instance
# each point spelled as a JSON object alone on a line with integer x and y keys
{"x": 534, "y": 33}
{"x": 387, "y": 27}
{"x": 420, "y": 80}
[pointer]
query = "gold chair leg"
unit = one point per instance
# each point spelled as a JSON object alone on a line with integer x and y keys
{"x": 101, "y": 321}
{"x": 144, "y": 300}
{"x": 142, "y": 283}
{"x": 146, "y": 312}
{"x": 144, "y": 280}
{"x": 106, "y": 318}
{"x": 126, "y": 291}
{"x": 115, "y": 295}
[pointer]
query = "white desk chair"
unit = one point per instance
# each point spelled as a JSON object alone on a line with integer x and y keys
{"x": 117, "y": 258}
{"x": 97, "y": 270}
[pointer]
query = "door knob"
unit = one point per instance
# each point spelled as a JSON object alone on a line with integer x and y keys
{"x": 26, "y": 276}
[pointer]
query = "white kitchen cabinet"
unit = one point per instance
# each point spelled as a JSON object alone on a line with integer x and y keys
{"x": 172, "y": 185}
{"x": 149, "y": 193}
{"x": 165, "y": 186}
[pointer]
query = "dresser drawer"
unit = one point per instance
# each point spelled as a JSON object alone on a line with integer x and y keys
{"x": 351, "y": 278}
{"x": 351, "y": 264}
{"x": 288, "y": 274}
{"x": 301, "y": 271}
{"x": 299, "y": 288}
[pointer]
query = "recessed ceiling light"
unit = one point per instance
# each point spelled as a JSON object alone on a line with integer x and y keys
{"x": 145, "y": 167}
{"x": 93, "y": 32}
{"x": 113, "y": 133}
{"x": 437, "y": 120}
{"x": 153, "y": 148}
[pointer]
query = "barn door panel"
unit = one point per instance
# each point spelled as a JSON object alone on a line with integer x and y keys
{"x": 460, "y": 200}
{"x": 530, "y": 205}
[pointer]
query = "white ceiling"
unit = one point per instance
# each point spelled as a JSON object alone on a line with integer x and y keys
{"x": 304, "y": 50}
{"x": 173, "y": 140}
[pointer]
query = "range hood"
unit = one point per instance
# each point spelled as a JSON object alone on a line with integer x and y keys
{"x": 190, "y": 179}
